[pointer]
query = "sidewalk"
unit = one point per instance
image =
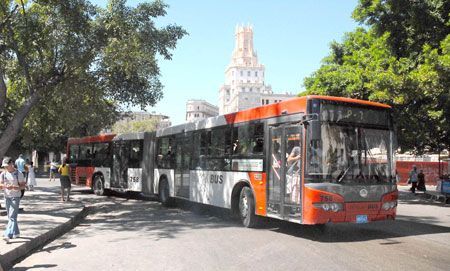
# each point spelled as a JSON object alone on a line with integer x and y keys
{"x": 44, "y": 217}
{"x": 431, "y": 192}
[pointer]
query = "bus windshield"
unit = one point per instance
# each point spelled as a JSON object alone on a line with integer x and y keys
{"x": 349, "y": 154}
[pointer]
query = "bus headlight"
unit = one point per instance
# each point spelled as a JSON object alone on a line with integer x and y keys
{"x": 334, "y": 206}
{"x": 389, "y": 205}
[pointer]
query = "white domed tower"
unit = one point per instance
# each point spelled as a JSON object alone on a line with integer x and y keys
{"x": 244, "y": 76}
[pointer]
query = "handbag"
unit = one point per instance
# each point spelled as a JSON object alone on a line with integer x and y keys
{"x": 409, "y": 181}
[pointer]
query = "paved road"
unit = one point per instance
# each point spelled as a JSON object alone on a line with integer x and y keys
{"x": 139, "y": 235}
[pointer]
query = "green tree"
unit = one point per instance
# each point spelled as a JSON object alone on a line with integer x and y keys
{"x": 388, "y": 64}
{"x": 69, "y": 65}
{"x": 136, "y": 126}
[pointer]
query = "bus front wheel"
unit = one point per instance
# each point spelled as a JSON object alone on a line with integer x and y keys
{"x": 98, "y": 186}
{"x": 247, "y": 208}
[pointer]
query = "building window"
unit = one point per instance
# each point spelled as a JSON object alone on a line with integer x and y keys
{"x": 243, "y": 89}
{"x": 228, "y": 92}
{"x": 232, "y": 72}
{"x": 251, "y": 89}
{"x": 262, "y": 101}
{"x": 248, "y": 81}
{"x": 248, "y": 73}
{"x": 267, "y": 101}
{"x": 256, "y": 73}
{"x": 232, "y": 82}
{"x": 242, "y": 73}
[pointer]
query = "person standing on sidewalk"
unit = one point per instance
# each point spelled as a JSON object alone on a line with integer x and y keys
{"x": 31, "y": 176}
{"x": 413, "y": 177}
{"x": 64, "y": 169}
{"x": 21, "y": 166}
{"x": 12, "y": 181}
{"x": 421, "y": 183}
{"x": 53, "y": 170}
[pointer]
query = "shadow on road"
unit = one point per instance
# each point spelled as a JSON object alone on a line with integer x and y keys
{"x": 334, "y": 233}
{"x": 127, "y": 212}
{"x": 38, "y": 266}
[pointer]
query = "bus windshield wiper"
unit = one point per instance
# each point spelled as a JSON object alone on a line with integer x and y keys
{"x": 343, "y": 174}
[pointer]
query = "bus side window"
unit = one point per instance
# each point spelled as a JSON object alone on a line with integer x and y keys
{"x": 73, "y": 153}
{"x": 163, "y": 147}
{"x": 257, "y": 138}
{"x": 135, "y": 154}
{"x": 85, "y": 155}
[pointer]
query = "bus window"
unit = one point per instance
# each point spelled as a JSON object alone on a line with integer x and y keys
{"x": 135, "y": 154}
{"x": 205, "y": 143}
{"x": 166, "y": 149}
{"x": 196, "y": 156}
{"x": 85, "y": 155}
{"x": 257, "y": 138}
{"x": 74, "y": 150}
{"x": 219, "y": 139}
{"x": 243, "y": 137}
{"x": 101, "y": 155}
{"x": 250, "y": 138}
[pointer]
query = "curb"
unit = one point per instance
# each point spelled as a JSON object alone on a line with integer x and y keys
{"x": 10, "y": 258}
{"x": 435, "y": 196}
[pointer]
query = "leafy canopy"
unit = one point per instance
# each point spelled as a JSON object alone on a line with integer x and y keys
{"x": 402, "y": 59}
{"x": 67, "y": 67}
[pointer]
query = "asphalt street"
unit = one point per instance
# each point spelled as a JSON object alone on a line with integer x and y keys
{"x": 136, "y": 234}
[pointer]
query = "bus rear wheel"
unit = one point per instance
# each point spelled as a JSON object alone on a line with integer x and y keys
{"x": 164, "y": 194}
{"x": 247, "y": 208}
{"x": 98, "y": 186}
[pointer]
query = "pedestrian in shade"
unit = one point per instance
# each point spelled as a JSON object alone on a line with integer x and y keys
{"x": 11, "y": 181}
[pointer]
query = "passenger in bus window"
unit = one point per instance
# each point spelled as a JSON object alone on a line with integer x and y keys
{"x": 293, "y": 167}
{"x": 294, "y": 159}
{"x": 259, "y": 147}
{"x": 235, "y": 146}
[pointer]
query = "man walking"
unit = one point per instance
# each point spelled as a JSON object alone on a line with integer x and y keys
{"x": 12, "y": 181}
{"x": 413, "y": 177}
{"x": 20, "y": 165}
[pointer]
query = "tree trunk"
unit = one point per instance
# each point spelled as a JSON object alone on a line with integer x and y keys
{"x": 13, "y": 127}
{"x": 2, "y": 90}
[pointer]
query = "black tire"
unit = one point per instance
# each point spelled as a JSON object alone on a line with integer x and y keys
{"x": 164, "y": 193}
{"x": 247, "y": 208}
{"x": 98, "y": 186}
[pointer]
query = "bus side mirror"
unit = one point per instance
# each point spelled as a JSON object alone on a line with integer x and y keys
{"x": 309, "y": 117}
{"x": 315, "y": 130}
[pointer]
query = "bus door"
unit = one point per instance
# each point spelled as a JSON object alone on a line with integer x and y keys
{"x": 183, "y": 159}
{"x": 121, "y": 154}
{"x": 285, "y": 178}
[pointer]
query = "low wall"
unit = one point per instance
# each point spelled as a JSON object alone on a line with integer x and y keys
{"x": 430, "y": 169}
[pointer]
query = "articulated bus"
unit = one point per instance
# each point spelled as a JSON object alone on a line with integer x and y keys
{"x": 309, "y": 160}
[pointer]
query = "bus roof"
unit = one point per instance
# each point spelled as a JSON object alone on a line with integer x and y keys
{"x": 288, "y": 107}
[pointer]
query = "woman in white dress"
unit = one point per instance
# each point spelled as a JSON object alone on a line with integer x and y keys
{"x": 31, "y": 176}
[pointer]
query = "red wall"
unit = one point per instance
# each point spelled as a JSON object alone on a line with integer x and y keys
{"x": 430, "y": 169}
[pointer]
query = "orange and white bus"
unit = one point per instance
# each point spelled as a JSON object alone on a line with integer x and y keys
{"x": 346, "y": 170}
{"x": 112, "y": 162}
{"x": 309, "y": 160}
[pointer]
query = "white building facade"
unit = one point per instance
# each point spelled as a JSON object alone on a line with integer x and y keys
{"x": 245, "y": 85}
{"x": 200, "y": 109}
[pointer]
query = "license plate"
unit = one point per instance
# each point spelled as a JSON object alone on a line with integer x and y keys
{"x": 361, "y": 219}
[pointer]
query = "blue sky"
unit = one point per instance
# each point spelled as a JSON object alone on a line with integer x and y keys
{"x": 291, "y": 38}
